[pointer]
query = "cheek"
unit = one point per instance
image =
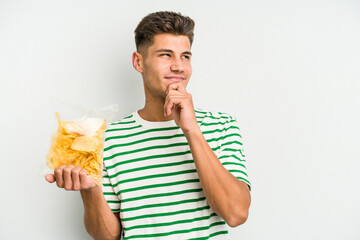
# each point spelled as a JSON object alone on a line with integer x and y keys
{"x": 151, "y": 71}
{"x": 189, "y": 69}
{"x": 160, "y": 67}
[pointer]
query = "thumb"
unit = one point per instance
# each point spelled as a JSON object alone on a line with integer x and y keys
{"x": 50, "y": 178}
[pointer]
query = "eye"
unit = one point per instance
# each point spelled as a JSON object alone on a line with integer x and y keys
{"x": 186, "y": 56}
{"x": 165, "y": 54}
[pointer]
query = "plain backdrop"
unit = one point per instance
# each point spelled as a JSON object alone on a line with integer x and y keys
{"x": 289, "y": 71}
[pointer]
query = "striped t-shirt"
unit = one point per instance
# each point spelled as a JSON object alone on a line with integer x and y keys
{"x": 151, "y": 179}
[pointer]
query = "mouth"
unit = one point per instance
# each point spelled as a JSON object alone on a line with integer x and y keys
{"x": 175, "y": 78}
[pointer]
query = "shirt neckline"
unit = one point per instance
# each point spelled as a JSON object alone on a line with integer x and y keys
{"x": 151, "y": 124}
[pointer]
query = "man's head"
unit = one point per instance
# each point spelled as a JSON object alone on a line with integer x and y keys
{"x": 163, "y": 56}
{"x": 159, "y": 23}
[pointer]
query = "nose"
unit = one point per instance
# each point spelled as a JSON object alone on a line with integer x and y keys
{"x": 176, "y": 65}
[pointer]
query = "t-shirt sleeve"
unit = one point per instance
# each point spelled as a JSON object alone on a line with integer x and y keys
{"x": 231, "y": 153}
{"x": 109, "y": 194}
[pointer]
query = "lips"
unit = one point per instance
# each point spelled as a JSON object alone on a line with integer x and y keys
{"x": 175, "y": 78}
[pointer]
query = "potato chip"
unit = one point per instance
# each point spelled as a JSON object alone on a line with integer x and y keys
{"x": 78, "y": 143}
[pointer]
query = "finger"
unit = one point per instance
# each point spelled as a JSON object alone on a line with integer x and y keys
{"x": 170, "y": 103}
{"x": 176, "y": 86}
{"x": 75, "y": 177}
{"x": 174, "y": 92}
{"x": 50, "y": 178}
{"x": 167, "y": 106}
{"x": 68, "y": 184}
{"x": 86, "y": 181}
{"x": 58, "y": 172}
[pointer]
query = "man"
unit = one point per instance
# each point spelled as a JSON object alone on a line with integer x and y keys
{"x": 170, "y": 171}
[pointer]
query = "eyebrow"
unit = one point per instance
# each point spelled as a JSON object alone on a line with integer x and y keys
{"x": 171, "y": 51}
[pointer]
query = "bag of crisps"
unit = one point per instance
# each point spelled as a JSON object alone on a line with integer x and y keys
{"x": 78, "y": 143}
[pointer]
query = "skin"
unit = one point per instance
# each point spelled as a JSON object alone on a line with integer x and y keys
{"x": 165, "y": 67}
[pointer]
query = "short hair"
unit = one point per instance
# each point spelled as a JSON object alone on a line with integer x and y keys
{"x": 163, "y": 22}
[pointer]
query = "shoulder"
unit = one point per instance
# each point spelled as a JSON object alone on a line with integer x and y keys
{"x": 124, "y": 122}
{"x": 214, "y": 116}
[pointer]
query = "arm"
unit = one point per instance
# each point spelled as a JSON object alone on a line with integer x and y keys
{"x": 99, "y": 220}
{"x": 227, "y": 196}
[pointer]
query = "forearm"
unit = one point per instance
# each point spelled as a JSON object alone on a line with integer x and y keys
{"x": 100, "y": 221}
{"x": 226, "y": 195}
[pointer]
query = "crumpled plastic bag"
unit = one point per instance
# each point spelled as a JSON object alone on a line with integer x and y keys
{"x": 78, "y": 143}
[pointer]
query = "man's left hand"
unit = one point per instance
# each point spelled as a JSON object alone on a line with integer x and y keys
{"x": 179, "y": 103}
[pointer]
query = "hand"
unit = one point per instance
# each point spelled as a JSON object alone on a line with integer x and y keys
{"x": 179, "y": 103}
{"x": 71, "y": 178}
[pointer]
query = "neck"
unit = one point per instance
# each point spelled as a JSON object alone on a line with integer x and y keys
{"x": 154, "y": 110}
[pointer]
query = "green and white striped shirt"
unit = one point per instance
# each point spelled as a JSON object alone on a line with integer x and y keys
{"x": 151, "y": 179}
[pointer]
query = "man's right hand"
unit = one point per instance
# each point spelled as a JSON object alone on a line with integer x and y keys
{"x": 71, "y": 178}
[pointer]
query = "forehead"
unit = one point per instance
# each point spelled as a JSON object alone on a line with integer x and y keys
{"x": 176, "y": 43}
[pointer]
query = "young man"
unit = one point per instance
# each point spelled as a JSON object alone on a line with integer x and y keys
{"x": 170, "y": 171}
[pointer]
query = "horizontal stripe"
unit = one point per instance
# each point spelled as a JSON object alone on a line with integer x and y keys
{"x": 231, "y": 156}
{"x": 109, "y": 193}
{"x": 154, "y": 157}
{"x": 211, "y": 235}
{"x": 162, "y": 204}
{"x": 232, "y": 142}
{"x": 199, "y": 111}
{"x": 122, "y": 129}
{"x": 162, "y": 195}
{"x": 220, "y": 130}
{"x": 217, "y": 118}
{"x": 231, "y": 149}
{"x": 171, "y": 223}
{"x": 142, "y": 132}
{"x": 169, "y": 137}
{"x": 165, "y": 214}
{"x": 159, "y": 185}
{"x": 143, "y": 140}
{"x": 223, "y": 137}
{"x": 118, "y": 123}
{"x": 232, "y": 163}
{"x": 175, "y": 232}
{"x": 154, "y": 176}
{"x": 165, "y": 129}
{"x": 150, "y": 157}
{"x": 147, "y": 149}
{"x": 155, "y": 166}
{"x": 238, "y": 171}
{"x": 217, "y": 123}
{"x": 121, "y": 121}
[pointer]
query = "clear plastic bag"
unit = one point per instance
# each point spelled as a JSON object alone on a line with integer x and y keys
{"x": 80, "y": 142}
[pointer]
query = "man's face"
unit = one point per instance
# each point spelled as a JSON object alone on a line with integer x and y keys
{"x": 166, "y": 61}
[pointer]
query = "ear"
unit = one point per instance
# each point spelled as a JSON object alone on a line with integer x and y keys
{"x": 137, "y": 60}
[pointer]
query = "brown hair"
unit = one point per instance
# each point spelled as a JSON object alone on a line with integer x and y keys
{"x": 163, "y": 22}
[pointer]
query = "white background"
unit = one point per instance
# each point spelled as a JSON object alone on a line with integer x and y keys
{"x": 288, "y": 70}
